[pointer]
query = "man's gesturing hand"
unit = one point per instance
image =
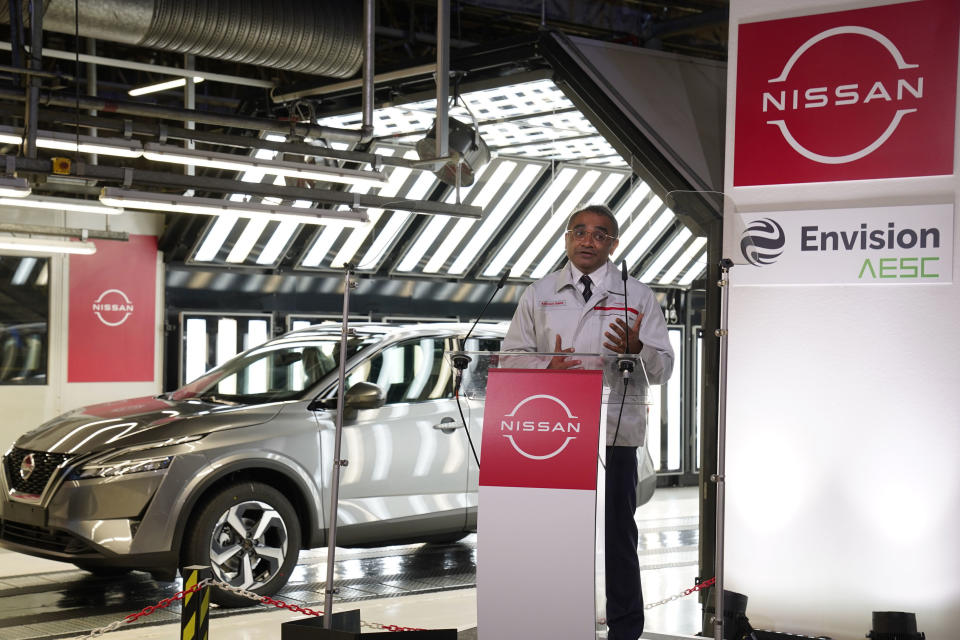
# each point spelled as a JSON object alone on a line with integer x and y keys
{"x": 617, "y": 337}
{"x": 562, "y": 362}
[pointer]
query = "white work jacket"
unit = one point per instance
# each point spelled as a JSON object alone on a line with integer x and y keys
{"x": 554, "y": 306}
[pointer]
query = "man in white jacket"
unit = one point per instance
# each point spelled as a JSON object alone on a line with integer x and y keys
{"x": 581, "y": 308}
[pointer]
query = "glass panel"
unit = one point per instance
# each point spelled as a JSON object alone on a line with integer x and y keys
{"x": 413, "y": 371}
{"x": 674, "y": 412}
{"x": 281, "y": 370}
{"x": 24, "y": 315}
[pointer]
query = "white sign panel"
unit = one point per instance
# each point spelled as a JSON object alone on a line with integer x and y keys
{"x": 879, "y": 245}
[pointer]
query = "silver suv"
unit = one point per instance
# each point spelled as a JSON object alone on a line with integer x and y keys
{"x": 233, "y": 469}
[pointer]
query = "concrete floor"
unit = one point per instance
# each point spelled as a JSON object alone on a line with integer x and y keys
{"x": 424, "y": 586}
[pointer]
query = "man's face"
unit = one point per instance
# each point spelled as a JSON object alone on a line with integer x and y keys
{"x": 587, "y": 253}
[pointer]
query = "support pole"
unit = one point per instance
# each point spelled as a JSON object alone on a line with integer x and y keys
{"x": 33, "y": 82}
{"x": 719, "y": 477}
{"x": 337, "y": 462}
{"x": 443, "y": 76}
{"x": 366, "y": 129}
{"x": 189, "y": 103}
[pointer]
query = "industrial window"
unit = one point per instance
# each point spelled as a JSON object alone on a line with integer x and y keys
{"x": 209, "y": 340}
{"x": 24, "y": 317}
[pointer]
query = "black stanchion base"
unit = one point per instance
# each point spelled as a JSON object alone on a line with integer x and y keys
{"x": 346, "y": 626}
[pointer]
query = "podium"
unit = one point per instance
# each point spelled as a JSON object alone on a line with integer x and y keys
{"x": 540, "y": 513}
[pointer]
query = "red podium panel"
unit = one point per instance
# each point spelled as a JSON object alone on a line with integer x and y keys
{"x": 537, "y": 527}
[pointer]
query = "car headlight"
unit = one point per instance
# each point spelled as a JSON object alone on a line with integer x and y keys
{"x": 119, "y": 468}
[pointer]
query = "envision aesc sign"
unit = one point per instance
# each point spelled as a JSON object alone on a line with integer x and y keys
{"x": 880, "y": 245}
{"x": 849, "y": 95}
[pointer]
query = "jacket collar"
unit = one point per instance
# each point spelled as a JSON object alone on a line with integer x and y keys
{"x": 569, "y": 276}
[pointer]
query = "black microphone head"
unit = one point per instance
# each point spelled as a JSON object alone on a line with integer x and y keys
{"x": 623, "y": 270}
{"x": 503, "y": 279}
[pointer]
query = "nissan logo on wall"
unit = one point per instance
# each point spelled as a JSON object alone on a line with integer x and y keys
{"x": 762, "y": 242}
{"x": 112, "y": 307}
{"x": 860, "y": 94}
{"x": 540, "y": 427}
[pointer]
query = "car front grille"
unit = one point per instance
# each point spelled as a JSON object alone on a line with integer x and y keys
{"x": 41, "y": 538}
{"x": 45, "y": 464}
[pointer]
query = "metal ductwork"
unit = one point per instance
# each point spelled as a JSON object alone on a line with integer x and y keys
{"x": 320, "y": 37}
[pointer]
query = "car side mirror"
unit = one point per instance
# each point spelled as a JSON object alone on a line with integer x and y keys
{"x": 362, "y": 395}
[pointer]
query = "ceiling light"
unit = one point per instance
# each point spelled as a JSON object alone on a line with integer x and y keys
{"x": 162, "y": 86}
{"x": 63, "y": 141}
{"x": 11, "y": 187}
{"x": 233, "y": 162}
{"x": 119, "y": 147}
{"x": 465, "y": 145}
{"x": 174, "y": 203}
{"x": 17, "y": 245}
{"x": 60, "y": 204}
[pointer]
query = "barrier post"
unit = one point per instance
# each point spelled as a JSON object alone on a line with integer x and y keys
{"x": 194, "y": 618}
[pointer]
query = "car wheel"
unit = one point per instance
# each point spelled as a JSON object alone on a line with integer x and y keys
{"x": 249, "y": 536}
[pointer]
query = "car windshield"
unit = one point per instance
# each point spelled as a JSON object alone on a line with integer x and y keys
{"x": 279, "y": 370}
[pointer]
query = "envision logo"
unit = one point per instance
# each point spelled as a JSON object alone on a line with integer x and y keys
{"x": 762, "y": 242}
{"x": 542, "y": 425}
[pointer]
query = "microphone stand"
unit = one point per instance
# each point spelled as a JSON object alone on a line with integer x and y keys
{"x": 461, "y": 361}
{"x": 337, "y": 462}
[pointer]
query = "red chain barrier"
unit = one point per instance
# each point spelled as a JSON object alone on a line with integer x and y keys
{"x": 702, "y": 585}
{"x": 163, "y": 604}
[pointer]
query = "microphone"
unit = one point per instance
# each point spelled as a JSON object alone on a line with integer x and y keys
{"x": 461, "y": 361}
{"x": 625, "y": 365}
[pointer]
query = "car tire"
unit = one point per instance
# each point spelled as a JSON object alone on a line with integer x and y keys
{"x": 221, "y": 536}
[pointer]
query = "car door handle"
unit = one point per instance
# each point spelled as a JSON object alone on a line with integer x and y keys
{"x": 448, "y": 425}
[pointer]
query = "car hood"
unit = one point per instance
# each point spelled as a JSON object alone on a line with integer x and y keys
{"x": 137, "y": 421}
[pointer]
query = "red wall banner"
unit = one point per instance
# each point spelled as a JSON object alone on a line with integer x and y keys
{"x": 541, "y": 429}
{"x": 113, "y": 311}
{"x": 850, "y": 95}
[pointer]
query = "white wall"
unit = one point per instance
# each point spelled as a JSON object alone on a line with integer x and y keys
{"x": 25, "y": 407}
{"x": 843, "y": 485}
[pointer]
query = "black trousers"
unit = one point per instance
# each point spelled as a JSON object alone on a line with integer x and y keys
{"x": 624, "y": 595}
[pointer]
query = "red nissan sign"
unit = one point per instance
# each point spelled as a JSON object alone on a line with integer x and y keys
{"x": 113, "y": 312}
{"x": 850, "y": 95}
{"x": 541, "y": 429}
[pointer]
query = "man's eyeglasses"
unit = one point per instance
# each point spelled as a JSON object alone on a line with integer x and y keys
{"x": 598, "y": 236}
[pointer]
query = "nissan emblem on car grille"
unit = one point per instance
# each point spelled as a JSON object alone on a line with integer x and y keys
{"x": 27, "y": 466}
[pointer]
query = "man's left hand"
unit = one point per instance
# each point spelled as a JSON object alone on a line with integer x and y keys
{"x": 618, "y": 335}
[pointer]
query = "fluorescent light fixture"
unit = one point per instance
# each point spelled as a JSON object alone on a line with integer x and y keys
{"x": 233, "y": 162}
{"x": 173, "y": 203}
{"x": 63, "y": 141}
{"x": 162, "y": 86}
{"x": 60, "y": 204}
{"x": 11, "y": 187}
{"x": 31, "y": 246}
{"x": 119, "y": 147}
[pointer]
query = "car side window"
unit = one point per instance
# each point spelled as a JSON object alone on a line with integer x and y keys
{"x": 411, "y": 371}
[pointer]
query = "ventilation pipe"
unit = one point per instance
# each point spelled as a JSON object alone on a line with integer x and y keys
{"x": 321, "y": 37}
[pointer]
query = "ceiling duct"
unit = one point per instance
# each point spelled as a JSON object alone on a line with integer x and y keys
{"x": 321, "y": 38}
